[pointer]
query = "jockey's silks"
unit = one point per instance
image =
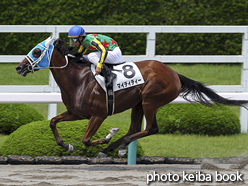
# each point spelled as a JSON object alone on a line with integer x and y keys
{"x": 98, "y": 42}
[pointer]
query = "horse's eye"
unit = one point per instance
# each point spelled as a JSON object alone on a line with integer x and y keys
{"x": 36, "y": 52}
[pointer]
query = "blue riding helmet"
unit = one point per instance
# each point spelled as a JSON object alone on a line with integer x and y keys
{"x": 76, "y": 31}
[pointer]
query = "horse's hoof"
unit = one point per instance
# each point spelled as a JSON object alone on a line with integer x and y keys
{"x": 70, "y": 149}
{"x": 122, "y": 152}
{"x": 101, "y": 155}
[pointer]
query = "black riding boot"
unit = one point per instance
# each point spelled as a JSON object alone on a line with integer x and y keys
{"x": 110, "y": 76}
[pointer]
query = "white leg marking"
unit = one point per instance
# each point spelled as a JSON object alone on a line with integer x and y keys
{"x": 70, "y": 150}
{"x": 122, "y": 152}
{"x": 112, "y": 132}
{"x": 101, "y": 155}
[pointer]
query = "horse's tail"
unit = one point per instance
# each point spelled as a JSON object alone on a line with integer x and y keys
{"x": 204, "y": 95}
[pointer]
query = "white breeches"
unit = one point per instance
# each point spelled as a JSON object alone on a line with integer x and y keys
{"x": 113, "y": 57}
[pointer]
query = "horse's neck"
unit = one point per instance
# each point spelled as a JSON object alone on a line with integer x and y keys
{"x": 70, "y": 75}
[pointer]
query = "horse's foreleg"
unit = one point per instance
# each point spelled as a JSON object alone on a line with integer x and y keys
{"x": 93, "y": 125}
{"x": 66, "y": 116}
{"x": 136, "y": 122}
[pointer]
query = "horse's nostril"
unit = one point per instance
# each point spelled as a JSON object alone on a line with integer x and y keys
{"x": 18, "y": 68}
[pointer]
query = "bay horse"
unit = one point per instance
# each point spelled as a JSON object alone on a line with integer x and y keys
{"x": 161, "y": 86}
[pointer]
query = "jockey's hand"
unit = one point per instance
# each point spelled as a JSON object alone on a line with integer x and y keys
{"x": 98, "y": 70}
{"x": 77, "y": 54}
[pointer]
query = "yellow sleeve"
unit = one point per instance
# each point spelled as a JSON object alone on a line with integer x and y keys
{"x": 82, "y": 50}
{"x": 99, "y": 46}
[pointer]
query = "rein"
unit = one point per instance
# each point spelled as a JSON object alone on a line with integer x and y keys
{"x": 34, "y": 64}
{"x": 66, "y": 59}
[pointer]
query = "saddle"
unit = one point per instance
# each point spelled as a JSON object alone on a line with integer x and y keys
{"x": 111, "y": 66}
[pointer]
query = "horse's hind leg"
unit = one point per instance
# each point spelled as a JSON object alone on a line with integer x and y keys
{"x": 151, "y": 128}
{"x": 136, "y": 122}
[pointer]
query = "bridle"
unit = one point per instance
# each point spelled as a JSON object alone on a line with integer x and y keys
{"x": 34, "y": 64}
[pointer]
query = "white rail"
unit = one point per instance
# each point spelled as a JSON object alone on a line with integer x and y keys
{"x": 56, "y": 97}
{"x": 151, "y": 32}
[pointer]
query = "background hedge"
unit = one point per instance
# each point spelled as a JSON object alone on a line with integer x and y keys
{"x": 126, "y": 12}
{"x": 36, "y": 139}
{"x": 197, "y": 119}
{"x": 12, "y": 116}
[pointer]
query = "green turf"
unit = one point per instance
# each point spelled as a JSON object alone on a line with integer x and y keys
{"x": 195, "y": 146}
{"x": 211, "y": 74}
{"x": 10, "y": 77}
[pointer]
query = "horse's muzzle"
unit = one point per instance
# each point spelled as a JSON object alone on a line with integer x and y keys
{"x": 23, "y": 70}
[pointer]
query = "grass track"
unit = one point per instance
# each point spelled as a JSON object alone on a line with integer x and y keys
{"x": 195, "y": 146}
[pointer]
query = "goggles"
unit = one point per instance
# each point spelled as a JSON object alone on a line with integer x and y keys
{"x": 72, "y": 41}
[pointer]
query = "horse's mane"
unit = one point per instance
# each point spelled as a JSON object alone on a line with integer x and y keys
{"x": 59, "y": 45}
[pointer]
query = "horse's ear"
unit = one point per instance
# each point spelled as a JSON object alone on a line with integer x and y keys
{"x": 49, "y": 41}
{"x": 58, "y": 42}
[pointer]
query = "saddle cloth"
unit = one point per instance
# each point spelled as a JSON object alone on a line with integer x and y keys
{"x": 128, "y": 75}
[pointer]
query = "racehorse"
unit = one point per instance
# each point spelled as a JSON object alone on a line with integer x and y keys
{"x": 84, "y": 98}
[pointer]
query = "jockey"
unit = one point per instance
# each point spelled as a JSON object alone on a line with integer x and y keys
{"x": 103, "y": 50}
